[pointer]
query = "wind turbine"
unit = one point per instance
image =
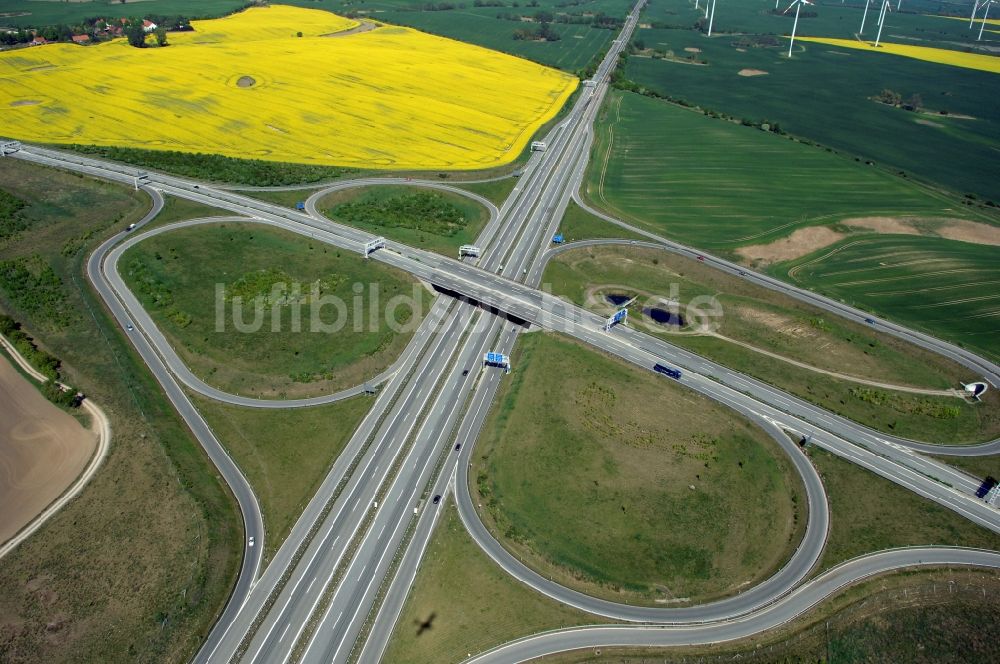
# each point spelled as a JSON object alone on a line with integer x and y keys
{"x": 986, "y": 3}
{"x": 886, "y": 8}
{"x": 711, "y": 19}
{"x": 798, "y": 5}
{"x": 864, "y": 16}
{"x": 975, "y": 8}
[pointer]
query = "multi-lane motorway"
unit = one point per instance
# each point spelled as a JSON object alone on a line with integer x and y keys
{"x": 334, "y": 589}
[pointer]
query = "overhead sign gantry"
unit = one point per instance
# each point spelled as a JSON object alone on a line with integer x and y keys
{"x": 497, "y": 360}
{"x": 619, "y": 317}
{"x": 373, "y": 245}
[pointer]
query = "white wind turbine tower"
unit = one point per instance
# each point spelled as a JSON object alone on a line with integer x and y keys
{"x": 975, "y": 8}
{"x": 986, "y": 4}
{"x": 864, "y": 17}
{"x": 798, "y": 5}
{"x": 711, "y": 18}
{"x": 886, "y": 8}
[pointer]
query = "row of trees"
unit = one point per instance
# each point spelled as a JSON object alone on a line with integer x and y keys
{"x": 543, "y": 32}
{"x": 913, "y": 103}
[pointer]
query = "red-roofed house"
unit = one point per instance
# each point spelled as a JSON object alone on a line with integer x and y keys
{"x": 147, "y": 25}
{"x": 81, "y": 39}
{"x": 38, "y": 41}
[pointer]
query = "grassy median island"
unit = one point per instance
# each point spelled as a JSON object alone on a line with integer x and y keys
{"x": 620, "y": 483}
{"x": 343, "y": 335}
{"x": 285, "y": 454}
{"x": 469, "y": 603}
{"x": 755, "y": 321}
{"x": 137, "y": 566}
{"x": 887, "y": 516}
{"x": 426, "y": 218}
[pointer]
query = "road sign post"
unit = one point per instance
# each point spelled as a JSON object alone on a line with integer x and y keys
{"x": 141, "y": 178}
{"x": 9, "y": 147}
{"x": 469, "y": 250}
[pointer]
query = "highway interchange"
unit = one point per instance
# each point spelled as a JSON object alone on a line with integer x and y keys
{"x": 336, "y": 586}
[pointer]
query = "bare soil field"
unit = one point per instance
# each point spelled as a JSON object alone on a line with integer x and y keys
{"x": 807, "y": 240}
{"x": 751, "y": 72}
{"x": 799, "y": 243}
{"x": 42, "y": 450}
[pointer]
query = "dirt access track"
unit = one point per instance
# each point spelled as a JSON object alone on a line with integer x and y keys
{"x": 45, "y": 456}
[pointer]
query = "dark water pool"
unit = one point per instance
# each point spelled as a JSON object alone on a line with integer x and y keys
{"x": 664, "y": 317}
{"x": 617, "y": 299}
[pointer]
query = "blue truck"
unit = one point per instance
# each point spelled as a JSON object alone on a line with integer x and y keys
{"x": 300, "y": 205}
{"x": 667, "y": 371}
{"x": 986, "y": 486}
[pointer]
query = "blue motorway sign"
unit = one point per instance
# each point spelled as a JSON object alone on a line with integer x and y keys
{"x": 496, "y": 358}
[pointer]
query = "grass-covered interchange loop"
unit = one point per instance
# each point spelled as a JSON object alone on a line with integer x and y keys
{"x": 298, "y": 318}
{"x": 623, "y": 485}
{"x": 391, "y": 97}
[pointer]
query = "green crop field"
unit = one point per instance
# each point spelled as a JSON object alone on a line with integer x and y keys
{"x": 943, "y": 287}
{"x": 35, "y": 13}
{"x": 620, "y": 483}
{"x": 826, "y": 94}
{"x": 439, "y": 221}
{"x": 719, "y": 185}
{"x": 752, "y": 317}
{"x": 176, "y": 274}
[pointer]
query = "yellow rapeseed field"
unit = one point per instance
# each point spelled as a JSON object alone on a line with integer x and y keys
{"x": 942, "y": 56}
{"x": 246, "y": 86}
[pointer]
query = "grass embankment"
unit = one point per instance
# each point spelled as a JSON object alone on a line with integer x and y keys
{"x": 216, "y": 167}
{"x": 887, "y": 516}
{"x": 285, "y": 454}
{"x": 578, "y": 224}
{"x": 953, "y": 148}
{"x": 978, "y": 466}
{"x": 942, "y": 287}
{"x": 438, "y": 221}
{"x": 139, "y": 564}
{"x": 468, "y": 603}
{"x": 175, "y": 276}
{"x": 496, "y": 191}
{"x": 776, "y": 323}
{"x": 918, "y": 616}
{"x": 181, "y": 209}
{"x": 620, "y": 483}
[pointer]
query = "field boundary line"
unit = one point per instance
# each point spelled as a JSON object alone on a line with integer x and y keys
{"x": 100, "y": 424}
